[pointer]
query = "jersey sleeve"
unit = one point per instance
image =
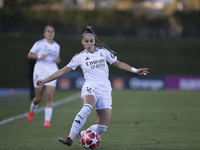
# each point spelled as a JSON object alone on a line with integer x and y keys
{"x": 58, "y": 48}
{"x": 58, "y": 54}
{"x": 110, "y": 57}
{"x": 74, "y": 63}
{"x": 35, "y": 48}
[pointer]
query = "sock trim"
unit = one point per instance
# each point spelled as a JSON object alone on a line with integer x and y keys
{"x": 88, "y": 105}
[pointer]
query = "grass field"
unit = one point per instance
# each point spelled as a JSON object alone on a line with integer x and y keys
{"x": 141, "y": 120}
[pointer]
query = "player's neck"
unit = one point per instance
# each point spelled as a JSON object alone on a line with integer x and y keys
{"x": 90, "y": 50}
{"x": 50, "y": 41}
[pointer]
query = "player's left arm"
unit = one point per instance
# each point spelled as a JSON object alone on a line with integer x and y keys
{"x": 59, "y": 73}
{"x": 126, "y": 67}
{"x": 58, "y": 59}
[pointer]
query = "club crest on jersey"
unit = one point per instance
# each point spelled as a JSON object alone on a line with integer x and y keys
{"x": 89, "y": 90}
{"x": 101, "y": 54}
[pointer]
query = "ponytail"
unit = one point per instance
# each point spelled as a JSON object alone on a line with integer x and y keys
{"x": 89, "y": 30}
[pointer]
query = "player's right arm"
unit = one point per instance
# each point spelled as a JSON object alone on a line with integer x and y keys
{"x": 55, "y": 75}
{"x": 31, "y": 55}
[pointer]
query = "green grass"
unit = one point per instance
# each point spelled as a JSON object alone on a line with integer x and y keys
{"x": 141, "y": 120}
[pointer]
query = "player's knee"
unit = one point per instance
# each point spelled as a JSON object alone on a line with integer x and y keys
{"x": 37, "y": 99}
{"x": 49, "y": 97}
{"x": 87, "y": 108}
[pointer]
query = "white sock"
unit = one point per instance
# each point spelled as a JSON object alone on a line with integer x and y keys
{"x": 80, "y": 119}
{"x": 99, "y": 128}
{"x": 48, "y": 113}
{"x": 33, "y": 107}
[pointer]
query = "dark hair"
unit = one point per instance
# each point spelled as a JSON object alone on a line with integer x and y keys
{"x": 48, "y": 27}
{"x": 89, "y": 29}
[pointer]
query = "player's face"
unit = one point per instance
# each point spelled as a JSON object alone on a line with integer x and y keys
{"x": 88, "y": 42}
{"x": 49, "y": 33}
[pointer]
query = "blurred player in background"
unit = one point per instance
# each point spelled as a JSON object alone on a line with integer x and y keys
{"x": 96, "y": 91}
{"x": 47, "y": 52}
{"x": 30, "y": 75}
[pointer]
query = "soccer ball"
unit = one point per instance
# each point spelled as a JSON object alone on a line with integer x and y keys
{"x": 90, "y": 139}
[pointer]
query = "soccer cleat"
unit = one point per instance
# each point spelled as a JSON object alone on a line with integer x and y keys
{"x": 78, "y": 135}
{"x": 46, "y": 124}
{"x": 66, "y": 140}
{"x": 30, "y": 115}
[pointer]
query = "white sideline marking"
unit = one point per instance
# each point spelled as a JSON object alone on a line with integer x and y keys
{"x": 57, "y": 103}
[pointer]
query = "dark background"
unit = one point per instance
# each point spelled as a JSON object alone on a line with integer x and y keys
{"x": 169, "y": 44}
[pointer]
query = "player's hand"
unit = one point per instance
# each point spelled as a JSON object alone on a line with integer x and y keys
{"x": 43, "y": 56}
{"x": 58, "y": 60}
{"x": 143, "y": 71}
{"x": 40, "y": 82}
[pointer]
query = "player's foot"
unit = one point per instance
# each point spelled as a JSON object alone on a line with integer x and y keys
{"x": 78, "y": 135}
{"x": 66, "y": 140}
{"x": 30, "y": 115}
{"x": 46, "y": 124}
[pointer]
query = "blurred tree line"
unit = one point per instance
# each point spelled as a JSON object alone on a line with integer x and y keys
{"x": 20, "y": 18}
{"x": 169, "y": 56}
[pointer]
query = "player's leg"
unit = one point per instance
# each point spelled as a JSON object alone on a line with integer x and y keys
{"x": 103, "y": 110}
{"x": 103, "y": 116}
{"x": 88, "y": 102}
{"x": 38, "y": 95}
{"x": 36, "y": 100}
{"x": 48, "y": 106}
{"x": 103, "y": 119}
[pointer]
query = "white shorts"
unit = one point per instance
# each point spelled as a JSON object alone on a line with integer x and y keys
{"x": 103, "y": 99}
{"x": 37, "y": 76}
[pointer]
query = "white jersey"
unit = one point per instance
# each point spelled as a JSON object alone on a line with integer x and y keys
{"x": 94, "y": 67}
{"x": 45, "y": 67}
{"x": 52, "y": 51}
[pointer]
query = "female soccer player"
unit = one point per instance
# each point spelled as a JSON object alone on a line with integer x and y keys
{"x": 47, "y": 52}
{"x": 96, "y": 91}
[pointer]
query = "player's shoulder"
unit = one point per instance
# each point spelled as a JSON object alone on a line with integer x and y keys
{"x": 99, "y": 49}
{"x": 80, "y": 54}
{"x": 56, "y": 45}
{"x": 54, "y": 42}
{"x": 40, "y": 42}
{"x": 102, "y": 50}
{"x": 105, "y": 52}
